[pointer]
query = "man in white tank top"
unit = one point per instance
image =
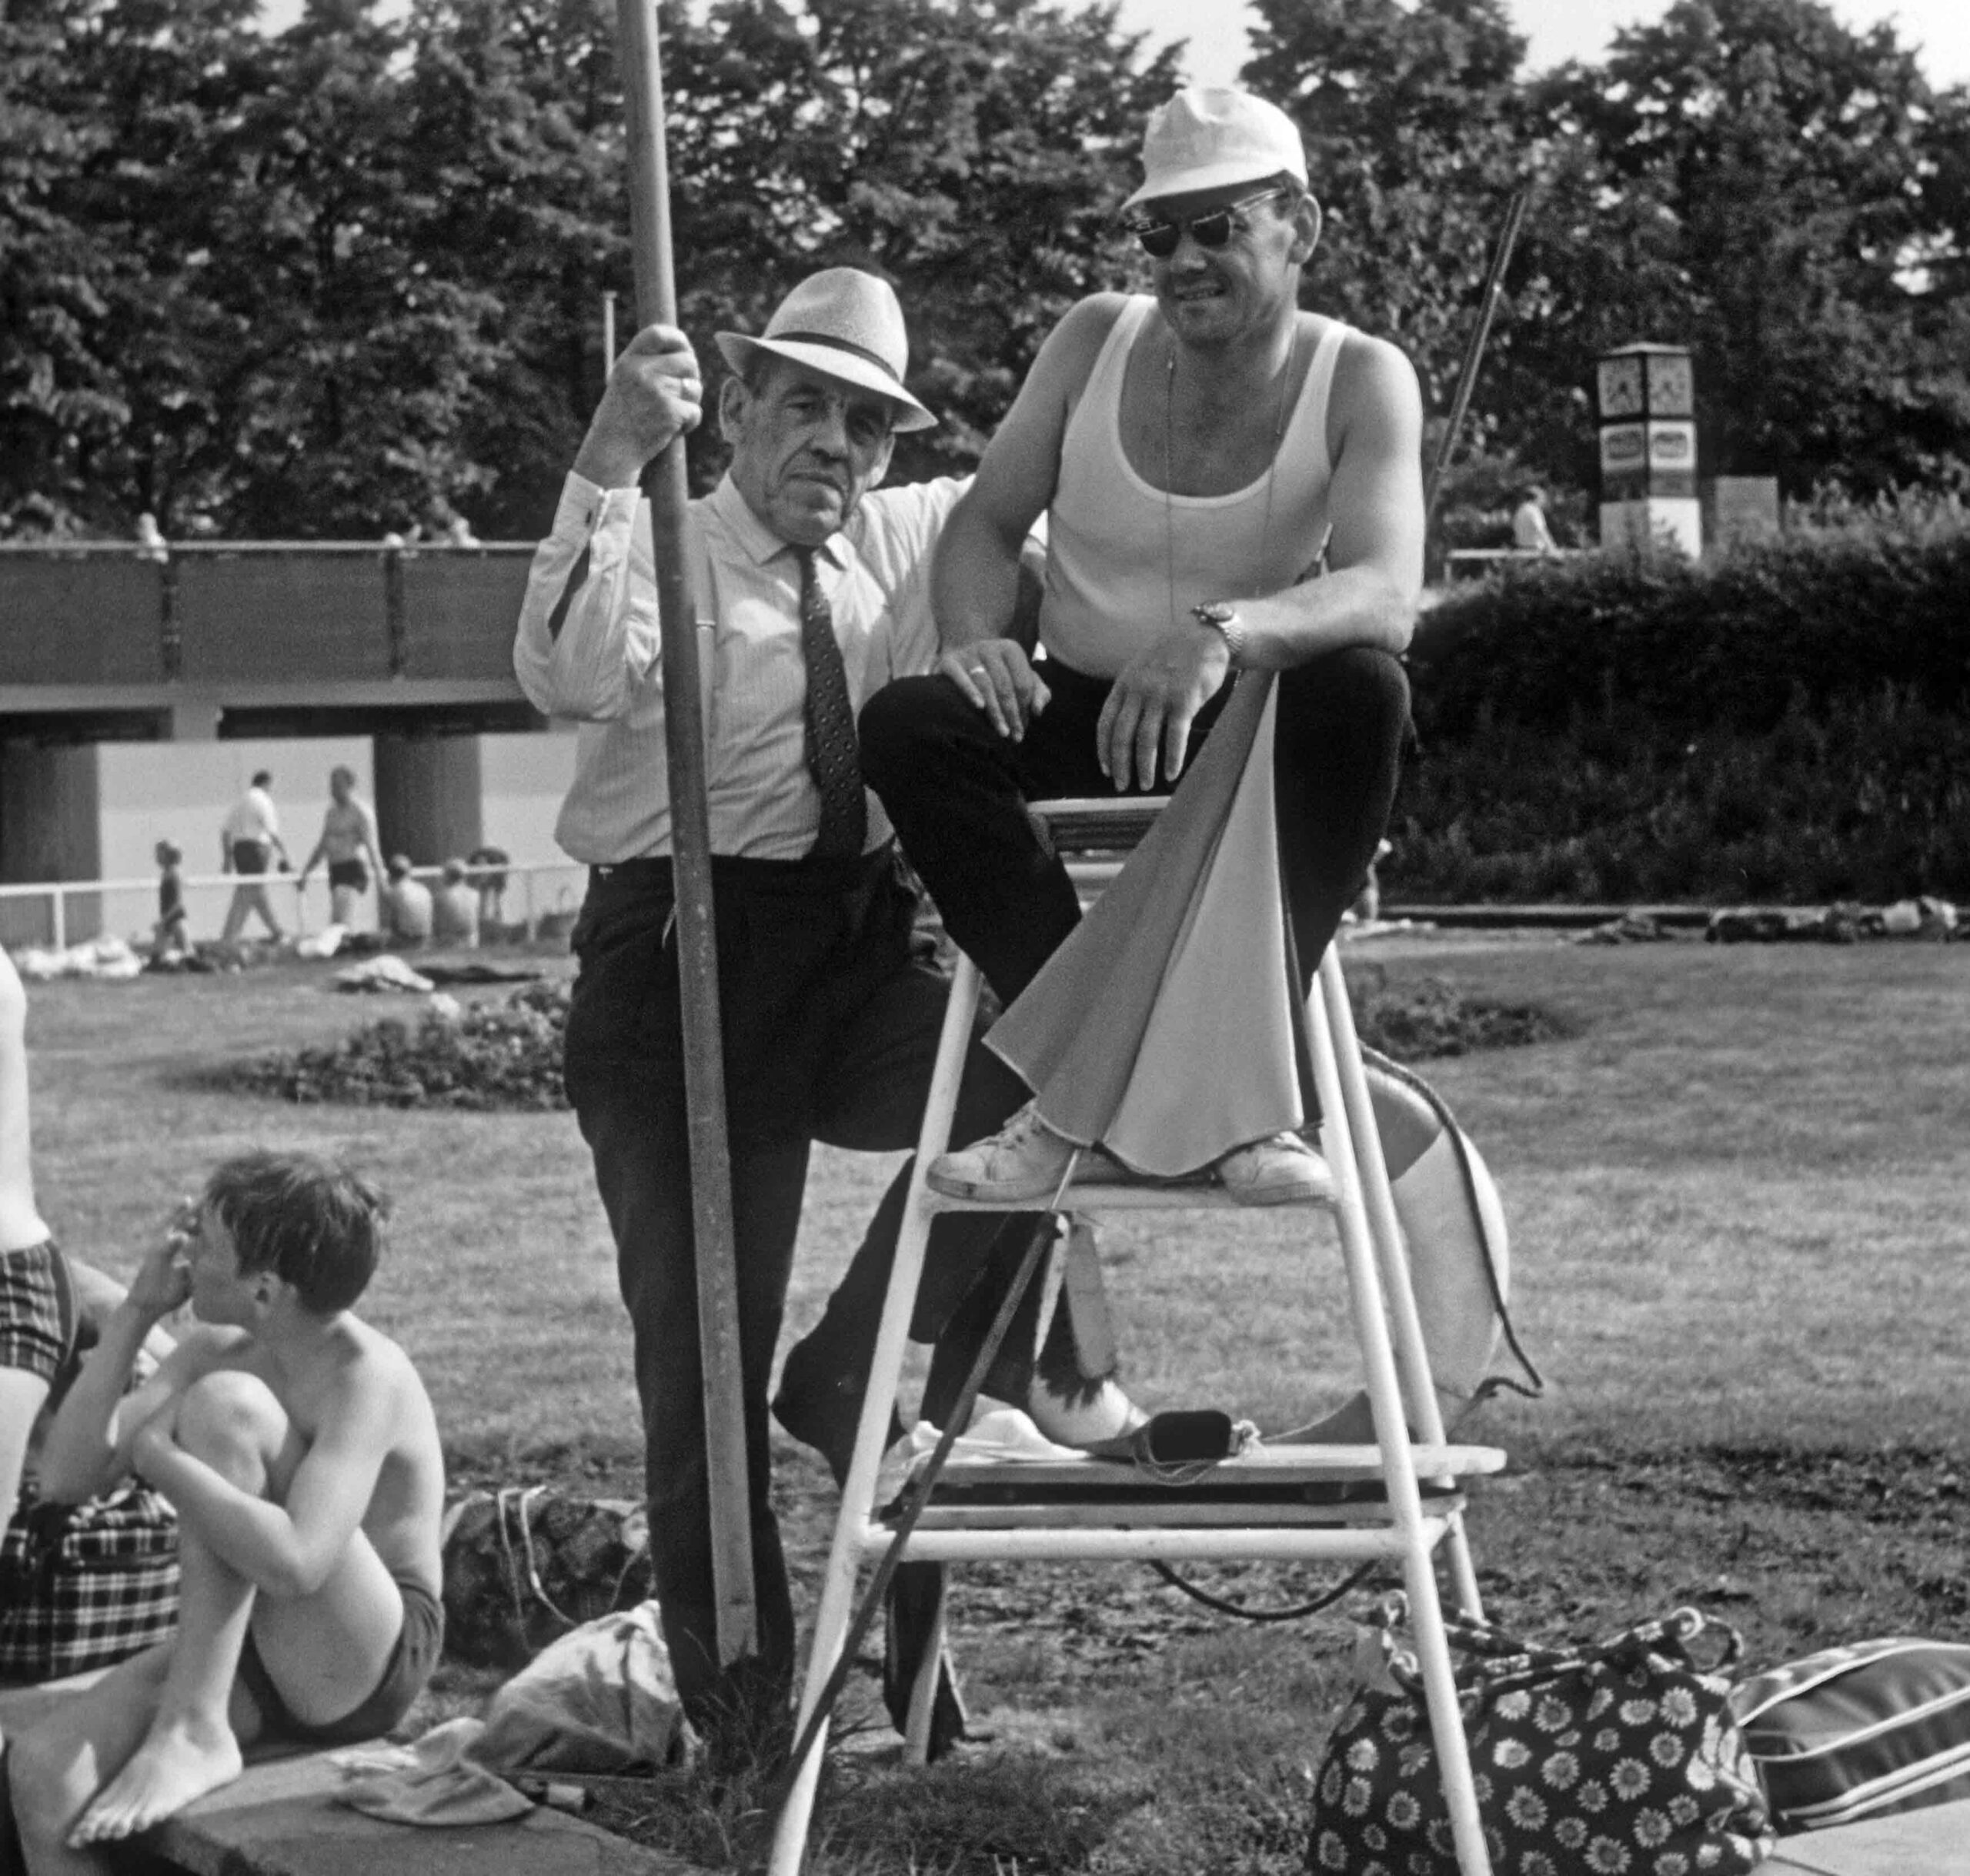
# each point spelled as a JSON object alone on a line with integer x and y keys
{"x": 1231, "y": 482}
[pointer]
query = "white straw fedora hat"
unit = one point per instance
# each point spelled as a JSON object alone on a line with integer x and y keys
{"x": 1208, "y": 136}
{"x": 844, "y": 323}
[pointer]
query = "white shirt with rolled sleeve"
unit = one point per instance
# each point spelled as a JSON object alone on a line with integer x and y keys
{"x": 253, "y": 818}
{"x": 589, "y": 647}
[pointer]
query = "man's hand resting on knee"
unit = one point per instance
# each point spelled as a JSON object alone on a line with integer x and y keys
{"x": 1152, "y": 702}
{"x": 996, "y": 677}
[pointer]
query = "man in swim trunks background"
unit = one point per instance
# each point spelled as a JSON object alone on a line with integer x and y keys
{"x": 348, "y": 844}
{"x": 301, "y": 1451}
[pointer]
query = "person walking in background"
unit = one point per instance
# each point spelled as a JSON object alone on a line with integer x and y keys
{"x": 248, "y": 840}
{"x": 488, "y": 865}
{"x": 348, "y": 844}
{"x": 1529, "y": 534}
{"x": 454, "y": 909}
{"x": 405, "y": 906}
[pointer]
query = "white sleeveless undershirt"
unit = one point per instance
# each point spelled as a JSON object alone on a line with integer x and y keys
{"x": 1112, "y": 537}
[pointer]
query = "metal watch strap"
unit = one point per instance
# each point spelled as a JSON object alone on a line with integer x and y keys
{"x": 1224, "y": 621}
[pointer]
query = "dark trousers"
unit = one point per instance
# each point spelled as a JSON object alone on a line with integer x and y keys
{"x": 830, "y": 1023}
{"x": 957, "y": 792}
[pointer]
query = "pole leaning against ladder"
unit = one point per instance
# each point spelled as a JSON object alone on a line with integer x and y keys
{"x": 663, "y": 485}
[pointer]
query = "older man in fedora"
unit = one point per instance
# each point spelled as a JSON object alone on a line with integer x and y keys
{"x": 812, "y": 586}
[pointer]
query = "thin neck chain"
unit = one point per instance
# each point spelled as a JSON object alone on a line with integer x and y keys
{"x": 1271, "y": 473}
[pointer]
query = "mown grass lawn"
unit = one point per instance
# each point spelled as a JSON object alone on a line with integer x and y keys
{"x": 1737, "y": 1201}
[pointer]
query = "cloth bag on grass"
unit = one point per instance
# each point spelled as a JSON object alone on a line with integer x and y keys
{"x": 83, "y": 1586}
{"x": 1618, "y": 1758}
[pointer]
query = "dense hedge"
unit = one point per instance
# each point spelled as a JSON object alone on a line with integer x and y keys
{"x": 1791, "y": 722}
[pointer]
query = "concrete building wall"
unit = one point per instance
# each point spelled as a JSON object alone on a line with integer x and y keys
{"x": 50, "y": 828}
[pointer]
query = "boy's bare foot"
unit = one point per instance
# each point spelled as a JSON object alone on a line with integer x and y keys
{"x": 179, "y": 1760}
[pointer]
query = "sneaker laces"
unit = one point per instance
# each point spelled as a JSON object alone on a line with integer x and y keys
{"x": 1012, "y": 1140}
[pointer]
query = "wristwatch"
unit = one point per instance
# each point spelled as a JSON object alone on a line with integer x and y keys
{"x": 1224, "y": 621}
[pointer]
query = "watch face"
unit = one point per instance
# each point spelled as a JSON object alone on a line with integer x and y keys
{"x": 1621, "y": 387}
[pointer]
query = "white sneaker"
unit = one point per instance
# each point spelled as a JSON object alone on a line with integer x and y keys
{"x": 1024, "y": 1160}
{"x": 1067, "y": 1420}
{"x": 1281, "y": 1170}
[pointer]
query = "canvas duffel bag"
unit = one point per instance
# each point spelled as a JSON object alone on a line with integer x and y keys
{"x": 1859, "y": 1731}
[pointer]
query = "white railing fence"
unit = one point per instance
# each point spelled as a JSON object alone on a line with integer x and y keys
{"x": 56, "y": 913}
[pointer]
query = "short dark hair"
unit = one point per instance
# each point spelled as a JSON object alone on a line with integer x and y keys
{"x": 311, "y": 1221}
{"x": 263, "y": 778}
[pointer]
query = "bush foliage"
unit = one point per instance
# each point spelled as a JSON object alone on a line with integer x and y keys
{"x": 505, "y": 1054}
{"x": 1789, "y": 721}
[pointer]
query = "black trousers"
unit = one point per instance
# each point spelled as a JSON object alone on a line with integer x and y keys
{"x": 957, "y": 792}
{"x": 830, "y": 1022}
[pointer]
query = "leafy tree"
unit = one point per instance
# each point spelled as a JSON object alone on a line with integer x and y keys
{"x": 105, "y": 295}
{"x": 348, "y": 278}
{"x": 1414, "y": 124}
{"x": 1812, "y": 182}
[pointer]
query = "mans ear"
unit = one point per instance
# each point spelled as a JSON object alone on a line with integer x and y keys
{"x": 882, "y": 466}
{"x": 733, "y": 402}
{"x": 1308, "y": 222}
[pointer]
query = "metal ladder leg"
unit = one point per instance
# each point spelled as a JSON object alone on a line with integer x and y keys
{"x": 1412, "y": 1358}
{"x": 1385, "y": 1398}
{"x": 858, "y": 1493}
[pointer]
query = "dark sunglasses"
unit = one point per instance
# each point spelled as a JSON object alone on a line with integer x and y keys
{"x": 1212, "y": 230}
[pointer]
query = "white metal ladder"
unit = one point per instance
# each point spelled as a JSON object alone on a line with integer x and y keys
{"x": 1399, "y": 1525}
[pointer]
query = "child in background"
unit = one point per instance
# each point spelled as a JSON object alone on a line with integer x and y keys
{"x": 170, "y": 937}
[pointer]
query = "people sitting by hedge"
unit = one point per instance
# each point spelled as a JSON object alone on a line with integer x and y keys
{"x": 405, "y": 906}
{"x": 455, "y": 908}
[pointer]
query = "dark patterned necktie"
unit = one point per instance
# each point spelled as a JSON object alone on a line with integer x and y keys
{"x": 833, "y": 754}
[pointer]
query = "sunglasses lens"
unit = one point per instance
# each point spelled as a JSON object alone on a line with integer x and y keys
{"x": 1159, "y": 239}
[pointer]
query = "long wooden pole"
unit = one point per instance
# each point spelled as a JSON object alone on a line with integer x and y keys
{"x": 664, "y": 483}
{"x": 1473, "y": 353}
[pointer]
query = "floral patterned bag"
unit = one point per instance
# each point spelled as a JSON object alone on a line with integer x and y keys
{"x": 1620, "y": 1758}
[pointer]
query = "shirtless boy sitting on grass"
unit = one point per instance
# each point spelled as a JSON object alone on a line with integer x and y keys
{"x": 301, "y": 1451}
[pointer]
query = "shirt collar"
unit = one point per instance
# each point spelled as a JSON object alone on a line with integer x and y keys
{"x": 753, "y": 537}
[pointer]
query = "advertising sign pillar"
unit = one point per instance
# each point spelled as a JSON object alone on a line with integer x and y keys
{"x": 1647, "y": 398}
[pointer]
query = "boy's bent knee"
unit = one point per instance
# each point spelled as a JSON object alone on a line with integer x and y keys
{"x": 229, "y": 1414}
